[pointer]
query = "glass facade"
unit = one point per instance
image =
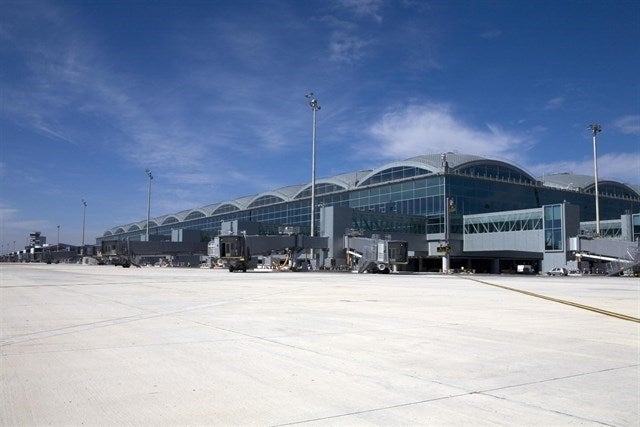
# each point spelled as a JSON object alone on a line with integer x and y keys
{"x": 611, "y": 229}
{"x": 385, "y": 223}
{"x": 612, "y": 189}
{"x": 507, "y": 222}
{"x": 495, "y": 171}
{"x": 411, "y": 191}
{"x": 195, "y": 215}
{"x": 265, "y": 200}
{"x": 553, "y": 240}
{"x": 395, "y": 174}
{"x": 322, "y": 188}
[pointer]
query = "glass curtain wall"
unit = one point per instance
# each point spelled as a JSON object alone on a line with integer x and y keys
{"x": 408, "y": 193}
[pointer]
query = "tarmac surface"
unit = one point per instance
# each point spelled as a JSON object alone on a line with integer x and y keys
{"x": 165, "y": 346}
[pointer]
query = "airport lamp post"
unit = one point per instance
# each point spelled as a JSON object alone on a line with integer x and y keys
{"x": 149, "y": 201}
{"x": 84, "y": 218}
{"x": 58, "y": 247}
{"x": 315, "y": 106}
{"x": 595, "y": 128}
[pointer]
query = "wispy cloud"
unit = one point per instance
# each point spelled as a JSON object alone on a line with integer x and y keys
{"x": 491, "y": 34}
{"x": 363, "y": 8}
{"x": 12, "y": 224}
{"x": 555, "y": 103}
{"x": 432, "y": 128}
{"x": 629, "y": 125}
{"x": 345, "y": 47}
{"x": 68, "y": 81}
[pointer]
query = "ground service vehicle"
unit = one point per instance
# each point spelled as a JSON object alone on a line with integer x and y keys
{"x": 240, "y": 252}
{"x": 558, "y": 271}
{"x": 375, "y": 255}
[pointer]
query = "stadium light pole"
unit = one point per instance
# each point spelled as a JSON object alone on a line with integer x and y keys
{"x": 84, "y": 218}
{"x": 595, "y": 128}
{"x": 315, "y": 106}
{"x": 149, "y": 201}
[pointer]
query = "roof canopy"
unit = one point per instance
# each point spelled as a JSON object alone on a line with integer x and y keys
{"x": 429, "y": 164}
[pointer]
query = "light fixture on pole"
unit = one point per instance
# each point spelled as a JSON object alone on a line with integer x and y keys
{"x": 445, "y": 245}
{"x": 84, "y": 217}
{"x": 149, "y": 201}
{"x": 58, "y": 247}
{"x": 315, "y": 106}
{"x": 595, "y": 128}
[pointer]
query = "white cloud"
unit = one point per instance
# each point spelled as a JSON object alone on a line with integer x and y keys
{"x": 432, "y": 128}
{"x": 628, "y": 124}
{"x": 622, "y": 167}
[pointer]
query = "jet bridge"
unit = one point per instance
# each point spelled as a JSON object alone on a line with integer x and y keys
{"x": 621, "y": 256}
{"x": 375, "y": 255}
{"x": 241, "y": 252}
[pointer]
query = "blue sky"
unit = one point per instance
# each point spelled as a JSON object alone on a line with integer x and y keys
{"x": 210, "y": 96}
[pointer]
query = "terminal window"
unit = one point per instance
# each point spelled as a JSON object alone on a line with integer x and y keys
{"x": 553, "y": 228}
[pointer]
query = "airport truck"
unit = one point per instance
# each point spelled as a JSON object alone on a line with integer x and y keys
{"x": 374, "y": 254}
{"x": 240, "y": 252}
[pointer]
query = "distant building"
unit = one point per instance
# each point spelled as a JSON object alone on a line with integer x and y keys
{"x": 36, "y": 239}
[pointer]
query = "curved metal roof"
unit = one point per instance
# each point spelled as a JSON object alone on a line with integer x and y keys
{"x": 417, "y": 163}
{"x": 347, "y": 180}
{"x": 161, "y": 219}
{"x": 165, "y": 219}
{"x": 199, "y": 214}
{"x": 284, "y": 193}
{"x": 242, "y": 202}
{"x": 570, "y": 181}
{"x": 434, "y": 161}
{"x": 330, "y": 181}
{"x": 209, "y": 209}
{"x": 350, "y": 180}
{"x": 455, "y": 161}
{"x": 567, "y": 181}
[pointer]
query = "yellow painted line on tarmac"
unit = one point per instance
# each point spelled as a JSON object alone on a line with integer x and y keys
{"x": 561, "y": 301}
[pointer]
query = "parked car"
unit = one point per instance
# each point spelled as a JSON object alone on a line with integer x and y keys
{"x": 558, "y": 271}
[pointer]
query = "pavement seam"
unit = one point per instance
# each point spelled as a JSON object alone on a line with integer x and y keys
{"x": 547, "y": 409}
{"x": 469, "y": 393}
{"x": 118, "y": 320}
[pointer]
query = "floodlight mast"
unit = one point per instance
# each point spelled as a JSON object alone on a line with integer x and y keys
{"x": 84, "y": 217}
{"x": 315, "y": 106}
{"x": 595, "y": 129}
{"x": 149, "y": 201}
{"x": 446, "y": 258}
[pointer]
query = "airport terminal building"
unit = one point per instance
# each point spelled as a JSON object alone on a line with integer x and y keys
{"x": 473, "y": 203}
